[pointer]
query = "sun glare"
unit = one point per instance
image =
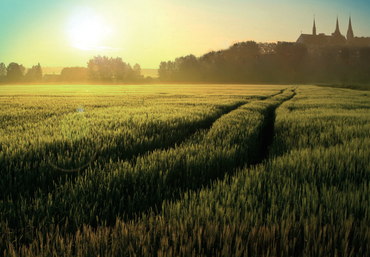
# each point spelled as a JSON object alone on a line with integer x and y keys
{"x": 88, "y": 31}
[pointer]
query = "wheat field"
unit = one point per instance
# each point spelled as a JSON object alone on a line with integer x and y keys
{"x": 180, "y": 170}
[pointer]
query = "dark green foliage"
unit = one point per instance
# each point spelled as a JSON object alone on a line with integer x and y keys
{"x": 14, "y": 72}
{"x": 281, "y": 63}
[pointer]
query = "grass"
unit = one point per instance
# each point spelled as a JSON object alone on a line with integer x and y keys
{"x": 206, "y": 170}
{"x": 362, "y": 87}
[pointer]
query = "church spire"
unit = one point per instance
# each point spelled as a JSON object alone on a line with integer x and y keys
{"x": 314, "y": 27}
{"x": 337, "y": 32}
{"x": 349, "y": 31}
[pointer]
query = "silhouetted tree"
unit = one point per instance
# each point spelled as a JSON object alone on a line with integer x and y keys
{"x": 99, "y": 69}
{"x": 267, "y": 48}
{"x": 345, "y": 54}
{"x": 119, "y": 69}
{"x": 2, "y": 70}
{"x": 149, "y": 79}
{"x": 248, "y": 50}
{"x": 93, "y": 69}
{"x": 363, "y": 67}
{"x": 163, "y": 72}
{"x": 13, "y": 72}
{"x": 30, "y": 75}
{"x": 284, "y": 62}
{"x": 173, "y": 70}
{"x": 113, "y": 70}
{"x": 288, "y": 51}
{"x": 38, "y": 74}
{"x": 129, "y": 73}
{"x": 23, "y": 69}
{"x": 137, "y": 72}
{"x": 364, "y": 53}
{"x": 187, "y": 68}
{"x": 74, "y": 74}
{"x": 34, "y": 74}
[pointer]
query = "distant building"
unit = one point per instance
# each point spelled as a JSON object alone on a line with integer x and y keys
{"x": 51, "y": 78}
{"x": 336, "y": 38}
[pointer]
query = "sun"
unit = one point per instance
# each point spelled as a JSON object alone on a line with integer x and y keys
{"x": 87, "y": 30}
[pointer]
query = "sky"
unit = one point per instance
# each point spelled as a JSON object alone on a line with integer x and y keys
{"x": 67, "y": 33}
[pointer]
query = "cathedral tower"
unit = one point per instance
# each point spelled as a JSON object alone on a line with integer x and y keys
{"x": 349, "y": 31}
{"x": 314, "y": 27}
{"x": 337, "y": 31}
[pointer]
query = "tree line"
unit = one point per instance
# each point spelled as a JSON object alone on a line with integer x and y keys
{"x": 15, "y": 72}
{"x": 243, "y": 62}
{"x": 282, "y": 62}
{"x": 100, "y": 69}
{"x": 104, "y": 69}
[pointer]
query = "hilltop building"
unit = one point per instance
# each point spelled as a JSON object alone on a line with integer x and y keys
{"x": 336, "y": 38}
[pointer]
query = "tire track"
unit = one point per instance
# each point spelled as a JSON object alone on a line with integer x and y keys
{"x": 105, "y": 188}
{"x": 150, "y": 189}
{"x": 42, "y": 173}
{"x": 267, "y": 130}
{"x": 164, "y": 142}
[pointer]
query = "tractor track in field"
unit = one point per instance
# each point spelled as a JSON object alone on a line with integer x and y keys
{"x": 120, "y": 153}
{"x": 267, "y": 127}
{"x": 101, "y": 157}
{"x": 267, "y": 131}
{"x": 265, "y": 136}
{"x": 173, "y": 142}
{"x": 57, "y": 173}
{"x": 268, "y": 115}
{"x": 177, "y": 178}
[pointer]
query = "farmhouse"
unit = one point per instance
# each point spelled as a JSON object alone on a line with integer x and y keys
{"x": 336, "y": 38}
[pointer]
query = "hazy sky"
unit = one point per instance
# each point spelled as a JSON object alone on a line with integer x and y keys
{"x": 69, "y": 32}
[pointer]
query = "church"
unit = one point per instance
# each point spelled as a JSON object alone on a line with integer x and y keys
{"x": 336, "y": 38}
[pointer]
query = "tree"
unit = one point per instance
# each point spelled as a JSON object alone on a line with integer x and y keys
{"x": 364, "y": 53}
{"x": 119, "y": 69}
{"x": 249, "y": 50}
{"x": 163, "y": 73}
{"x": 112, "y": 70}
{"x": 74, "y": 74}
{"x": 23, "y": 69}
{"x": 34, "y": 74}
{"x": 99, "y": 68}
{"x": 267, "y": 48}
{"x": 38, "y": 74}
{"x": 2, "y": 70}
{"x": 137, "y": 72}
{"x": 14, "y": 72}
{"x": 129, "y": 73}
{"x": 149, "y": 80}
{"x": 168, "y": 71}
{"x": 188, "y": 68}
{"x": 30, "y": 75}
